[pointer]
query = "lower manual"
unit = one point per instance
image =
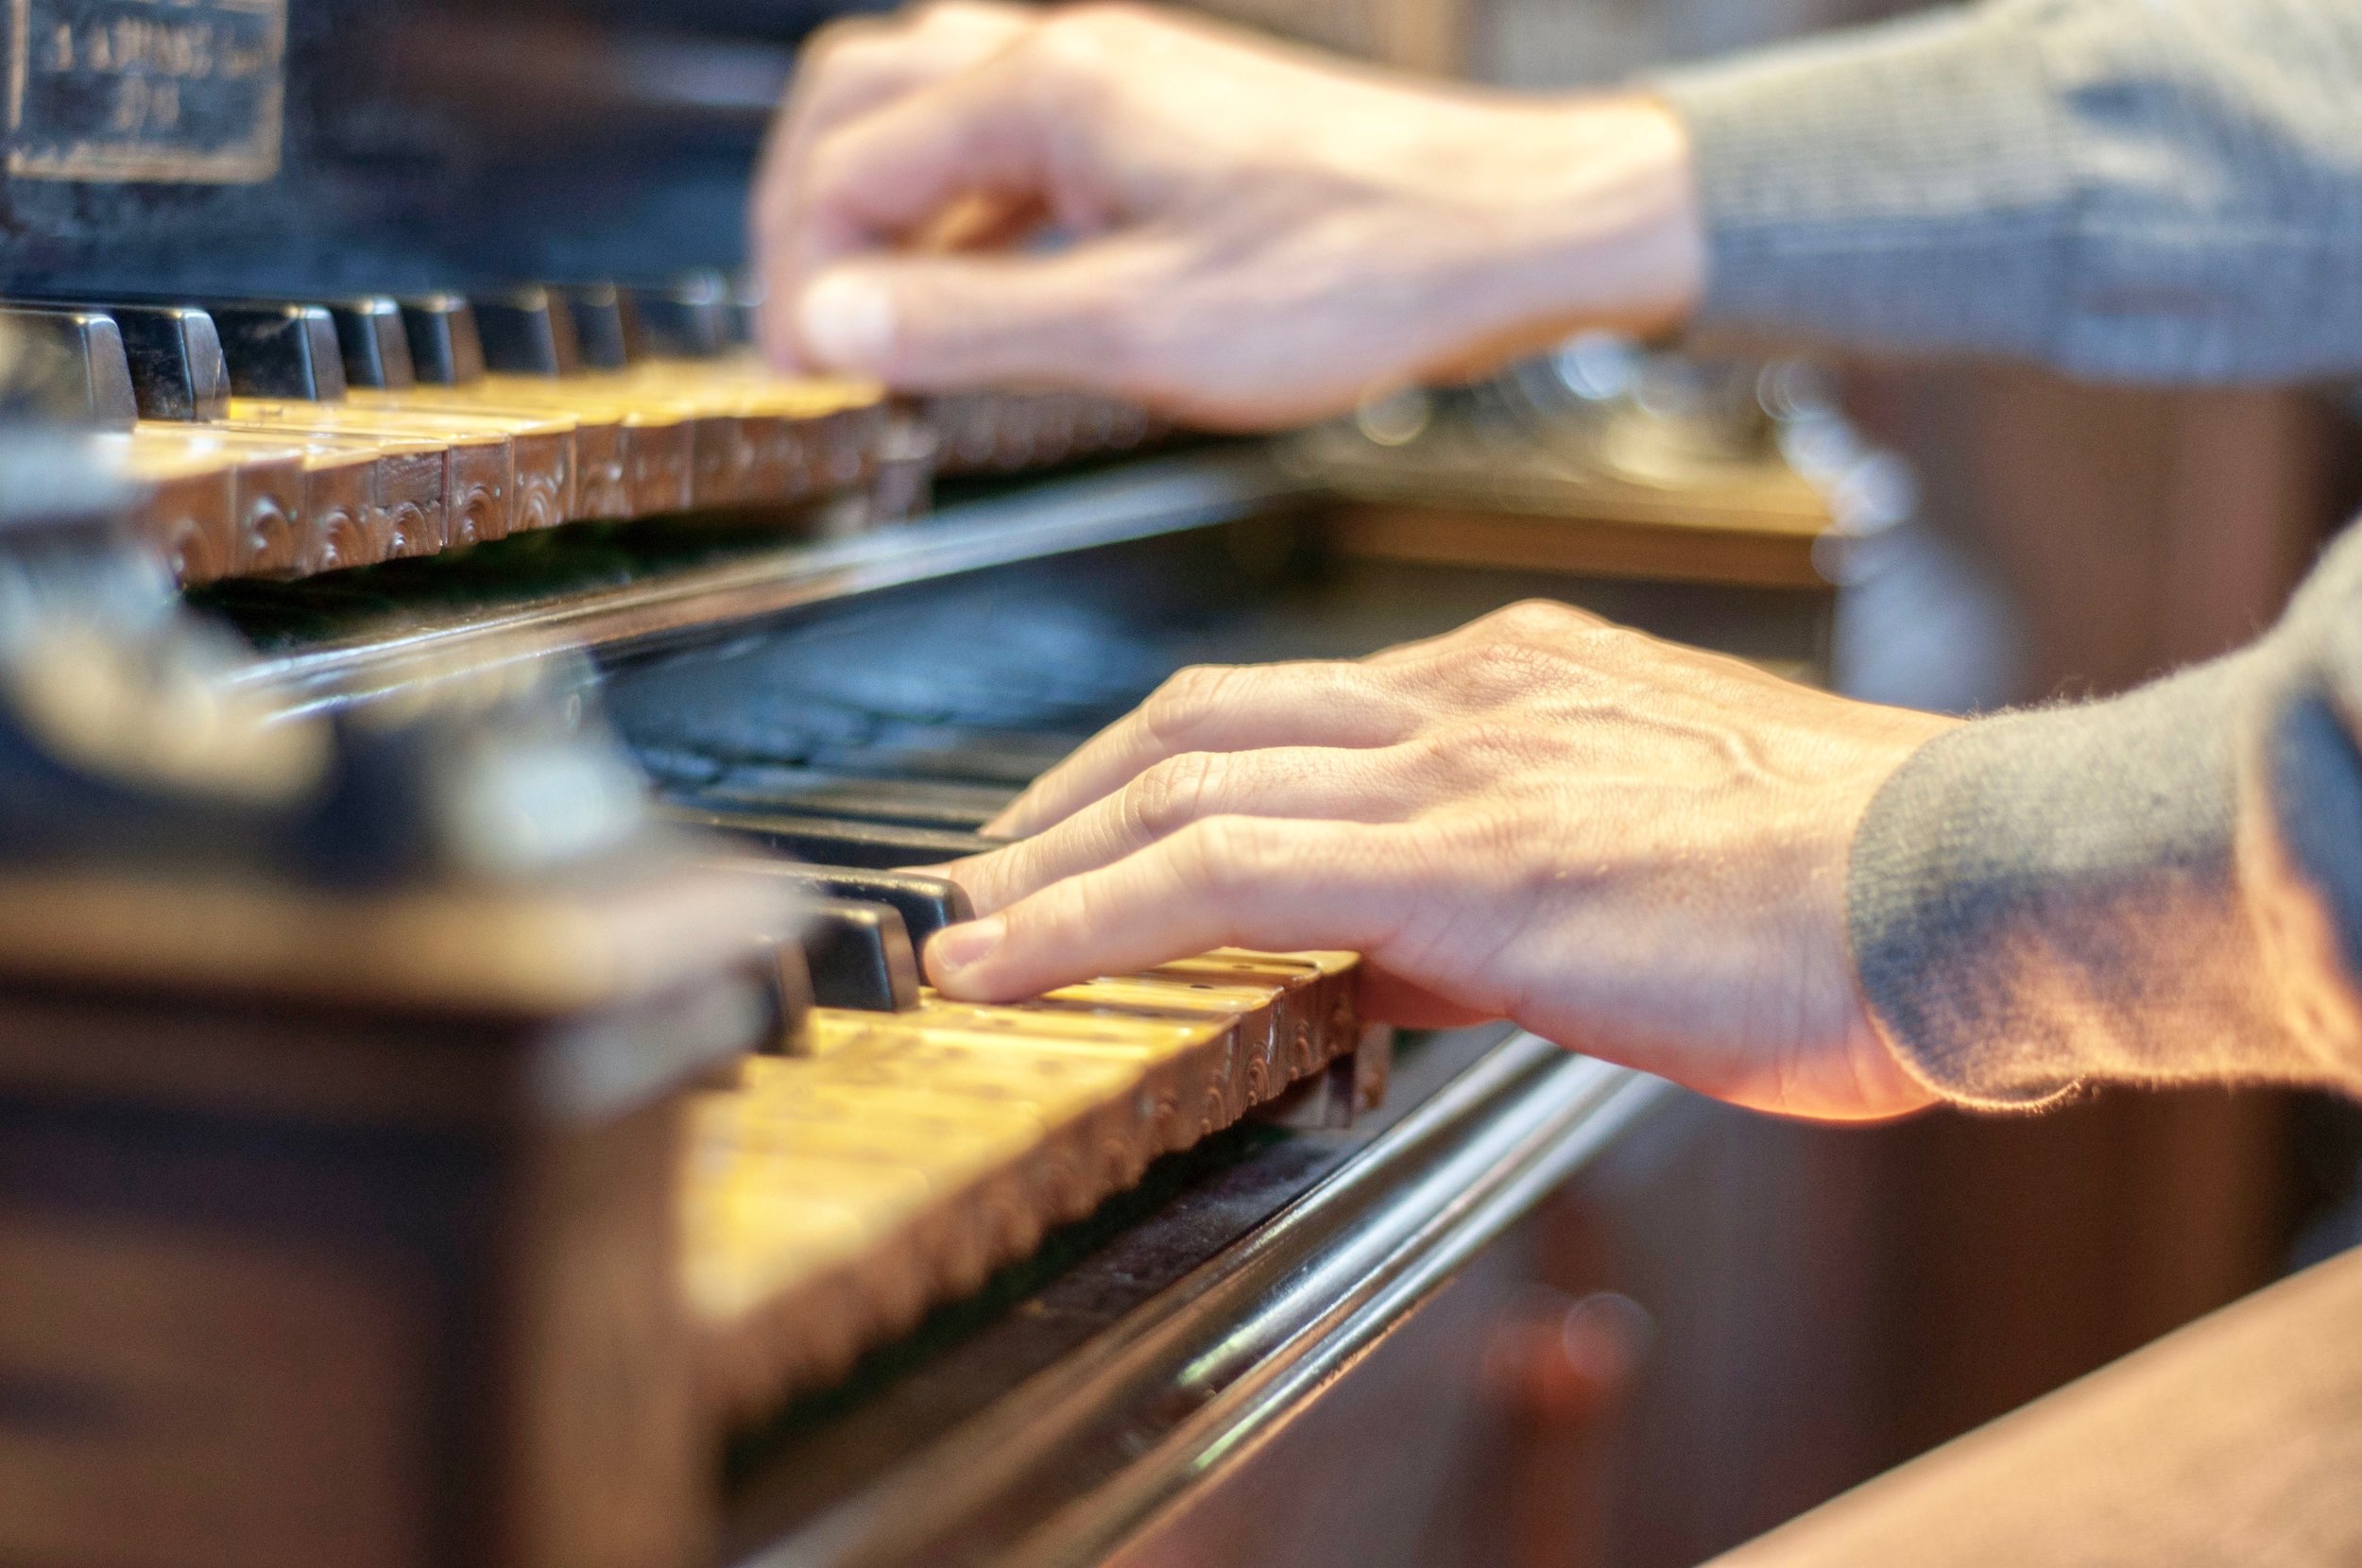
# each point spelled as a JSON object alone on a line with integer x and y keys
{"x": 836, "y": 1194}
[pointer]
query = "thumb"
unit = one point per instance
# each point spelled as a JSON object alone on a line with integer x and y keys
{"x": 939, "y": 323}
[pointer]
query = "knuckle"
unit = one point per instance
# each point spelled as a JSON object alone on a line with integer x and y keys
{"x": 833, "y": 40}
{"x": 1536, "y": 618}
{"x": 1173, "y": 793}
{"x": 1186, "y": 700}
{"x": 995, "y": 880}
{"x": 828, "y": 173}
{"x": 1561, "y": 628}
{"x": 1080, "y": 43}
{"x": 1080, "y": 61}
{"x": 1227, "y": 857}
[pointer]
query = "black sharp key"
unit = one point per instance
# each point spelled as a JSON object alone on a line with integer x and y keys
{"x": 69, "y": 366}
{"x": 689, "y": 319}
{"x": 606, "y": 329}
{"x": 278, "y": 350}
{"x": 375, "y": 343}
{"x": 912, "y": 802}
{"x": 838, "y": 842}
{"x": 926, "y": 903}
{"x": 446, "y": 349}
{"x": 786, "y": 982}
{"x": 528, "y": 331}
{"x": 949, "y": 752}
{"x": 178, "y": 372}
{"x": 743, "y": 325}
{"x": 858, "y": 956}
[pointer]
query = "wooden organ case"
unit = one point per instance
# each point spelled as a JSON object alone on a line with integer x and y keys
{"x": 464, "y": 723}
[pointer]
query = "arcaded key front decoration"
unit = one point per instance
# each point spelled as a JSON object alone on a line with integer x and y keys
{"x": 449, "y": 464}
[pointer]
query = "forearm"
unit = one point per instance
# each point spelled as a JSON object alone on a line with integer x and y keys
{"x": 2141, "y": 189}
{"x": 2163, "y": 888}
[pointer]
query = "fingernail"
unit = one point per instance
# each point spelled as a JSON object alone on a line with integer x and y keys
{"x": 846, "y": 321}
{"x": 958, "y": 948}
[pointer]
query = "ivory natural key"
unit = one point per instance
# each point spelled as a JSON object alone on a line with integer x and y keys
{"x": 836, "y": 1194}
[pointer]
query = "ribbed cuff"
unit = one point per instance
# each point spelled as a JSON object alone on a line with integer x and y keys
{"x": 2309, "y": 777}
{"x": 2338, "y": 864}
{"x": 1902, "y": 185}
{"x": 2042, "y": 898}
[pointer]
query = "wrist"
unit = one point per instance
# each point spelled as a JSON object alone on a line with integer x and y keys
{"x": 1637, "y": 248}
{"x": 1614, "y": 238}
{"x": 1880, "y": 1076}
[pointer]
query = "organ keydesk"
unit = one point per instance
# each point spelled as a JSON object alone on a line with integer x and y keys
{"x": 406, "y": 1089}
{"x": 447, "y": 1125}
{"x": 738, "y": 1254}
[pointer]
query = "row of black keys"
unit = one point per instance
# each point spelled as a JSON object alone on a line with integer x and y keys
{"x": 869, "y": 920}
{"x": 187, "y": 360}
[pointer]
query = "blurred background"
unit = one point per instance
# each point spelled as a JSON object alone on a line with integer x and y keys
{"x": 1730, "y": 1319}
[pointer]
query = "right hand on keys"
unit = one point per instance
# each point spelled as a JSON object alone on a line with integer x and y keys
{"x": 1630, "y": 847}
{"x": 1256, "y": 236}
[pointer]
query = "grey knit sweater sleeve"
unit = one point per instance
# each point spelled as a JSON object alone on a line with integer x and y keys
{"x": 2165, "y": 887}
{"x": 2169, "y": 886}
{"x": 2137, "y": 189}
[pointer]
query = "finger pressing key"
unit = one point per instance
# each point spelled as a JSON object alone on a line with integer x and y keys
{"x": 1312, "y": 783}
{"x": 1225, "y": 881}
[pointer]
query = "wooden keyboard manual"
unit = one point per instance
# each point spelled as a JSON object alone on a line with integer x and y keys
{"x": 397, "y": 1084}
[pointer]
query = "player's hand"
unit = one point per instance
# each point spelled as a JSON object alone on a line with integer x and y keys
{"x": 1253, "y": 234}
{"x": 1632, "y": 848}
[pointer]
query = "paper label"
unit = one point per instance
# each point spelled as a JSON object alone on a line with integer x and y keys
{"x": 179, "y": 92}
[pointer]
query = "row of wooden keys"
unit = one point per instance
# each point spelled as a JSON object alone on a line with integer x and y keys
{"x": 280, "y": 439}
{"x": 893, "y": 1160}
